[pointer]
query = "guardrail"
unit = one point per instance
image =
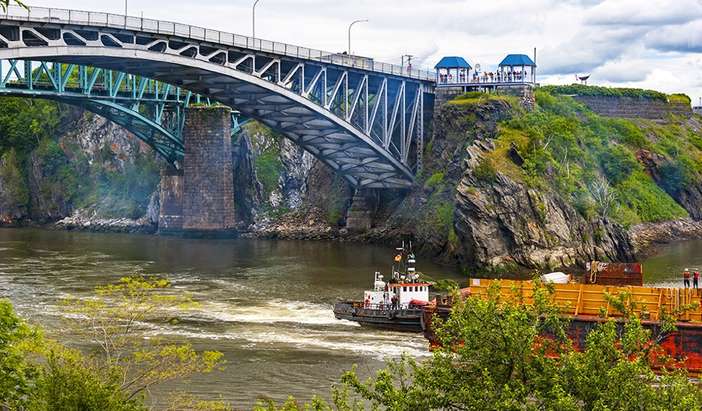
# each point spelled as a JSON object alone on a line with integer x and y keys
{"x": 78, "y": 17}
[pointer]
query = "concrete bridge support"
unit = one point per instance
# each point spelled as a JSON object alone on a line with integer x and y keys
{"x": 203, "y": 191}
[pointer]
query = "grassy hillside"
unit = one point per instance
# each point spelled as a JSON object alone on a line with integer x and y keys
{"x": 591, "y": 161}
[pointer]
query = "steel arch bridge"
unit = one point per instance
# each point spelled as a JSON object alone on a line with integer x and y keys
{"x": 153, "y": 111}
{"x": 364, "y": 119}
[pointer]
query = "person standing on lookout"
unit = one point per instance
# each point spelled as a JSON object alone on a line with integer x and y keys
{"x": 686, "y": 278}
{"x": 696, "y": 279}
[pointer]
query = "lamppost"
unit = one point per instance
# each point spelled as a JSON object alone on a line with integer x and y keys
{"x": 253, "y": 19}
{"x": 351, "y": 25}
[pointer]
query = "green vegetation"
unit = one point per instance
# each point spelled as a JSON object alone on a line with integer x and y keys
{"x": 64, "y": 177}
{"x": 476, "y": 97}
{"x": 13, "y": 183}
{"x": 5, "y": 3}
{"x": 61, "y": 178}
{"x": 680, "y": 99}
{"x": 37, "y": 373}
{"x": 24, "y": 123}
{"x": 267, "y": 163}
{"x": 492, "y": 357}
{"x": 591, "y": 161}
{"x": 268, "y": 169}
{"x": 583, "y": 90}
{"x": 434, "y": 180}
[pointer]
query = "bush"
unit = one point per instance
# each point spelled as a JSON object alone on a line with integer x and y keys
{"x": 583, "y": 90}
{"x": 617, "y": 164}
{"x": 268, "y": 169}
{"x": 434, "y": 180}
{"x": 680, "y": 98}
{"x": 674, "y": 177}
{"x": 485, "y": 171}
{"x": 493, "y": 356}
{"x": 444, "y": 216}
{"x": 647, "y": 200}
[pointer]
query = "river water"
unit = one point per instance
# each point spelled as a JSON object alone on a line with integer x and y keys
{"x": 265, "y": 304}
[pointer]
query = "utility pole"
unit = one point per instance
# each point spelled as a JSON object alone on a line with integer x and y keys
{"x": 253, "y": 19}
{"x": 351, "y": 25}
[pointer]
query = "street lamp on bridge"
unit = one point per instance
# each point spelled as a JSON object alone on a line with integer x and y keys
{"x": 351, "y": 25}
{"x": 253, "y": 19}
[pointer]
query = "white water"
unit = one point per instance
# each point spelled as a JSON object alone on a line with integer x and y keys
{"x": 266, "y": 305}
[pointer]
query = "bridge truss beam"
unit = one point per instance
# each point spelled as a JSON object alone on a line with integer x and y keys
{"x": 365, "y": 122}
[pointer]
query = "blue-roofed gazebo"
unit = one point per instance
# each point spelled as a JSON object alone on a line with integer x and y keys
{"x": 518, "y": 68}
{"x": 452, "y": 69}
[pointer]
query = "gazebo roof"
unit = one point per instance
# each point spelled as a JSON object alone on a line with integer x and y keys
{"x": 451, "y": 62}
{"x": 517, "y": 60}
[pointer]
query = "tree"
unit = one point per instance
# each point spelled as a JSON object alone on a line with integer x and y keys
{"x": 41, "y": 375}
{"x": 4, "y": 4}
{"x": 113, "y": 322}
{"x": 37, "y": 373}
{"x": 494, "y": 356}
{"x": 603, "y": 195}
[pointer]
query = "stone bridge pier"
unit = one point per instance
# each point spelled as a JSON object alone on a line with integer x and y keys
{"x": 198, "y": 201}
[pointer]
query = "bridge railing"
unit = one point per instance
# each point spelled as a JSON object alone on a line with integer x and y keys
{"x": 79, "y": 17}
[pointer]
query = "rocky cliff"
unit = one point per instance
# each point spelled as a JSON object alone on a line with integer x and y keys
{"x": 503, "y": 187}
{"x": 62, "y": 162}
{"x": 553, "y": 186}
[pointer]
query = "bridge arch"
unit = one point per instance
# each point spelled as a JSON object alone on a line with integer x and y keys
{"x": 353, "y": 120}
{"x": 154, "y": 112}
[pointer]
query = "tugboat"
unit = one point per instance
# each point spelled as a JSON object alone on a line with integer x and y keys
{"x": 393, "y": 305}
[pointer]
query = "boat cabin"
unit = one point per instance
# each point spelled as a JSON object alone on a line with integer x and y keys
{"x": 398, "y": 295}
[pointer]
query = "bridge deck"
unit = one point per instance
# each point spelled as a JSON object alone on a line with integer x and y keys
{"x": 76, "y": 17}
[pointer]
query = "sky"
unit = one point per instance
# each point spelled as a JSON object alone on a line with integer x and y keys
{"x": 654, "y": 44}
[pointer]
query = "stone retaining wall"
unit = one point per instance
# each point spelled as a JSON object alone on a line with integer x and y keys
{"x": 629, "y": 107}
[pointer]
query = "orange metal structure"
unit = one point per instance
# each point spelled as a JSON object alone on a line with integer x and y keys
{"x": 586, "y": 306}
{"x": 589, "y": 299}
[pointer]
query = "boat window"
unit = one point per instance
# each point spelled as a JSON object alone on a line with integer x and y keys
{"x": 404, "y": 288}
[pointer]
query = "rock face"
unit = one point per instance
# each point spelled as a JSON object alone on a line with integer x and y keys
{"x": 689, "y": 196}
{"x": 457, "y": 213}
{"x": 502, "y": 223}
{"x": 13, "y": 192}
{"x": 247, "y": 188}
{"x": 297, "y": 164}
{"x": 646, "y": 236}
{"x": 47, "y": 199}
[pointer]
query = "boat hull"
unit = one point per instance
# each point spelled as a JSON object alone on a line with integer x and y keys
{"x": 406, "y": 320}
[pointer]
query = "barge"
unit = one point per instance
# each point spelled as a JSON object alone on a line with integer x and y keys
{"x": 586, "y": 306}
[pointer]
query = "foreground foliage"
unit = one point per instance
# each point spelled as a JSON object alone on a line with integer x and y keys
{"x": 37, "y": 373}
{"x": 493, "y": 358}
